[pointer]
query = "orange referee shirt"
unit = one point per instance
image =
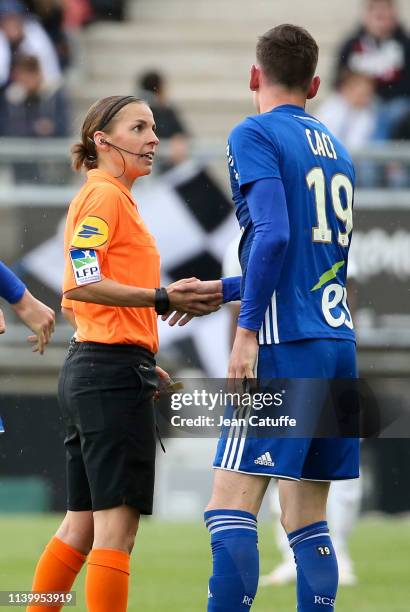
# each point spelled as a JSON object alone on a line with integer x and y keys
{"x": 105, "y": 236}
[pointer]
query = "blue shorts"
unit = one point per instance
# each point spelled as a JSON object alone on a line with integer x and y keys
{"x": 322, "y": 459}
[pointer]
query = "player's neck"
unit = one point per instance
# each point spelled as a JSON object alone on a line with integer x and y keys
{"x": 272, "y": 97}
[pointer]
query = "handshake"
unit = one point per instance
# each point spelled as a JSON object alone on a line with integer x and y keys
{"x": 191, "y": 297}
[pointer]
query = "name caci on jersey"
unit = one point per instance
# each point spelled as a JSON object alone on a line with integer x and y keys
{"x": 321, "y": 144}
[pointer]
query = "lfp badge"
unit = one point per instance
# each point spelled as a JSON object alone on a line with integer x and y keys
{"x": 85, "y": 265}
{"x": 1, "y": 426}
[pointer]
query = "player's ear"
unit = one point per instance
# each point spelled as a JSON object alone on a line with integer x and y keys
{"x": 254, "y": 80}
{"x": 313, "y": 89}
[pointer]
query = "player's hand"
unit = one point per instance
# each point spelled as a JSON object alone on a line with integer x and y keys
{"x": 243, "y": 359}
{"x": 38, "y": 317}
{"x": 194, "y": 297}
{"x": 2, "y": 323}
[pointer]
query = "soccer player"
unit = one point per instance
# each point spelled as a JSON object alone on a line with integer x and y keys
{"x": 36, "y": 315}
{"x": 292, "y": 184}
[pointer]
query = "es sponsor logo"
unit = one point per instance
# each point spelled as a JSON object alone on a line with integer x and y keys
{"x": 85, "y": 265}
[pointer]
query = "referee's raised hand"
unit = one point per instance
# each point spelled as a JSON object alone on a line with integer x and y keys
{"x": 38, "y": 317}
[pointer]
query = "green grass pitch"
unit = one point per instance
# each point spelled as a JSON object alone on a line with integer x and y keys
{"x": 171, "y": 564}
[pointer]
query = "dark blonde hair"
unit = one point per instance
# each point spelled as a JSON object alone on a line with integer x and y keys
{"x": 99, "y": 117}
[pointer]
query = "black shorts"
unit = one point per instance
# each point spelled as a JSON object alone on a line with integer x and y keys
{"x": 106, "y": 397}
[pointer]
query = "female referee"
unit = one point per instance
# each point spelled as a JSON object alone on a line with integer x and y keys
{"x": 106, "y": 387}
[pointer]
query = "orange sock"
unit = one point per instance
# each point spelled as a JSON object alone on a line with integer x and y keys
{"x": 106, "y": 585}
{"x": 56, "y": 570}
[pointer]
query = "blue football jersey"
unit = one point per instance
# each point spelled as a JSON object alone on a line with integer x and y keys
{"x": 318, "y": 177}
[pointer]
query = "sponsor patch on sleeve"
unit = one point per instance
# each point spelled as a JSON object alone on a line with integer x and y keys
{"x": 85, "y": 265}
{"x": 91, "y": 232}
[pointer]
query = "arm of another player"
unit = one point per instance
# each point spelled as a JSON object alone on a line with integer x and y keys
{"x": 268, "y": 209}
{"x": 36, "y": 315}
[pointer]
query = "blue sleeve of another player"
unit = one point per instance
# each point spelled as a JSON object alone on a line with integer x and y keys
{"x": 268, "y": 209}
{"x": 11, "y": 287}
{"x": 231, "y": 288}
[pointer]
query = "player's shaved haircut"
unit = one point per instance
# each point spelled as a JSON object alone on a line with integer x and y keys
{"x": 288, "y": 56}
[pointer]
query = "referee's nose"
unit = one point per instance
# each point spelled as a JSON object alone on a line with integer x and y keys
{"x": 154, "y": 138}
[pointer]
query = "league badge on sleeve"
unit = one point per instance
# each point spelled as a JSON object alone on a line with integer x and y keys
{"x": 86, "y": 266}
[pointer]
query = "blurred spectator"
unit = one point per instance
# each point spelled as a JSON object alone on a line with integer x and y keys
{"x": 401, "y": 130}
{"x": 350, "y": 113}
{"x": 33, "y": 109}
{"x": 77, "y": 13}
{"x": 21, "y": 34}
{"x": 381, "y": 49}
{"x": 111, "y": 10}
{"x": 152, "y": 88}
{"x": 51, "y": 16}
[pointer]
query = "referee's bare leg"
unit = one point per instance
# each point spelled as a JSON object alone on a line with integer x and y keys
{"x": 116, "y": 528}
{"x": 113, "y": 528}
{"x": 77, "y": 530}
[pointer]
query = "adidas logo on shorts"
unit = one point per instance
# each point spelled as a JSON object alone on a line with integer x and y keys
{"x": 264, "y": 459}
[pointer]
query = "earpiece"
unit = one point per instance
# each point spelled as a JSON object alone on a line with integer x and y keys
{"x": 111, "y": 144}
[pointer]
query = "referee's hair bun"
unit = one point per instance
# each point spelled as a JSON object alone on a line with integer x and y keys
{"x": 82, "y": 155}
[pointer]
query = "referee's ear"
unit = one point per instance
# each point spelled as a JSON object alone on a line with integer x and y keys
{"x": 313, "y": 89}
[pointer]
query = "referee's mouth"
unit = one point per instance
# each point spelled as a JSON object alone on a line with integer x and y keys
{"x": 149, "y": 155}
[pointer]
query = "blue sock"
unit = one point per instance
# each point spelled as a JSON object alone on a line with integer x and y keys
{"x": 234, "y": 542}
{"x": 316, "y": 564}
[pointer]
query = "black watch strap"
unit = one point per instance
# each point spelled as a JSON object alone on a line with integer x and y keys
{"x": 162, "y": 304}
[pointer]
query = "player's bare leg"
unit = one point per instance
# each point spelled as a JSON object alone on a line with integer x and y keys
{"x": 284, "y": 572}
{"x": 302, "y": 503}
{"x": 238, "y": 491}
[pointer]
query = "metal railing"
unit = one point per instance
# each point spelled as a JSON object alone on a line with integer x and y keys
{"x": 14, "y": 150}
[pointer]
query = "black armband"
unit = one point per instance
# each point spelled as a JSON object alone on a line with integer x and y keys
{"x": 161, "y": 304}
